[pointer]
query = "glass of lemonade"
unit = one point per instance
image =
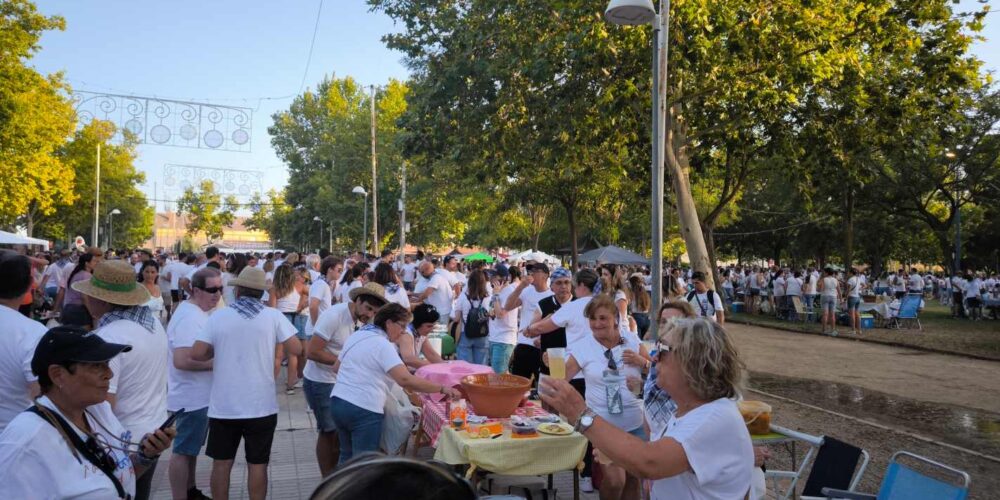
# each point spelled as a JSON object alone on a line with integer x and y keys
{"x": 557, "y": 362}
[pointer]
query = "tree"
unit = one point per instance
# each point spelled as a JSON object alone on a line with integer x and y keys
{"x": 120, "y": 181}
{"x": 206, "y": 210}
{"x": 35, "y": 119}
{"x": 324, "y": 138}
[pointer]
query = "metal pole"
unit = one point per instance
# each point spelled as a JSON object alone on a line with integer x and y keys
{"x": 319, "y": 244}
{"x": 111, "y": 230}
{"x": 660, "y": 31}
{"x": 364, "y": 234}
{"x": 374, "y": 182}
{"x": 97, "y": 198}
{"x": 329, "y": 235}
{"x": 958, "y": 236}
{"x": 402, "y": 216}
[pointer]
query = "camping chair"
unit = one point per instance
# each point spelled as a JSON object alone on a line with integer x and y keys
{"x": 802, "y": 313}
{"x": 908, "y": 308}
{"x": 905, "y": 482}
{"x": 835, "y": 466}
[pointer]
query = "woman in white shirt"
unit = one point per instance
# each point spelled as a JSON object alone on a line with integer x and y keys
{"x": 611, "y": 361}
{"x": 70, "y": 444}
{"x": 394, "y": 291}
{"x": 352, "y": 279}
{"x": 366, "y": 364}
{"x": 613, "y": 283}
{"x": 705, "y": 450}
{"x": 413, "y": 342}
{"x": 289, "y": 294}
{"x": 829, "y": 296}
{"x": 148, "y": 274}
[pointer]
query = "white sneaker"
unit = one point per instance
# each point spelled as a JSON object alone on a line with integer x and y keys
{"x": 586, "y": 485}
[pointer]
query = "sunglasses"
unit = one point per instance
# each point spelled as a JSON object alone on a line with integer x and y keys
{"x": 612, "y": 364}
{"x": 211, "y": 289}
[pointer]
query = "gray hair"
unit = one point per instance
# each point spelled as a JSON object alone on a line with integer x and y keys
{"x": 708, "y": 358}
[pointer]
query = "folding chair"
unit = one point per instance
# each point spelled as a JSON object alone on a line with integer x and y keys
{"x": 802, "y": 313}
{"x": 835, "y": 466}
{"x": 903, "y": 482}
{"x": 908, "y": 308}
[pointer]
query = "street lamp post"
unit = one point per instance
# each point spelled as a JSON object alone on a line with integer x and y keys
{"x": 319, "y": 244}
{"x": 956, "y": 219}
{"x": 111, "y": 227}
{"x": 638, "y": 12}
{"x": 364, "y": 234}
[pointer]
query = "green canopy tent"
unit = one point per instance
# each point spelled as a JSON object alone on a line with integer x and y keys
{"x": 478, "y": 256}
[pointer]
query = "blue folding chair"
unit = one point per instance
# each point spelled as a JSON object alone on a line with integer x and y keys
{"x": 908, "y": 310}
{"x": 903, "y": 482}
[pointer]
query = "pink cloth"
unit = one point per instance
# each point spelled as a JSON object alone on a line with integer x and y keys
{"x": 434, "y": 417}
{"x": 450, "y": 374}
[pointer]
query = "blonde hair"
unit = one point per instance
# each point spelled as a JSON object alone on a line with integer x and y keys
{"x": 599, "y": 302}
{"x": 284, "y": 281}
{"x": 291, "y": 259}
{"x": 708, "y": 358}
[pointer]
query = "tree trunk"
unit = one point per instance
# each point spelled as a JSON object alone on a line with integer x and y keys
{"x": 571, "y": 220}
{"x": 849, "y": 229}
{"x": 677, "y": 167}
{"x": 709, "y": 232}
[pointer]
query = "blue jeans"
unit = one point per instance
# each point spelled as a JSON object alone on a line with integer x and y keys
{"x": 472, "y": 350}
{"x": 359, "y": 430}
{"x": 500, "y": 356}
{"x": 318, "y": 397}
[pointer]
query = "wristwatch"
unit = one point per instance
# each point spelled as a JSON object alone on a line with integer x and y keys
{"x": 585, "y": 420}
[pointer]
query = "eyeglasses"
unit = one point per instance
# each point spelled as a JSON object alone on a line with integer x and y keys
{"x": 211, "y": 289}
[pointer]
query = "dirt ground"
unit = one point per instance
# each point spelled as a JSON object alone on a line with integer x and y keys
{"x": 940, "y": 381}
{"x": 913, "y": 374}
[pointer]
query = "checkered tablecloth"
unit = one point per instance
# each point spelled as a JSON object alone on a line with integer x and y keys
{"x": 434, "y": 417}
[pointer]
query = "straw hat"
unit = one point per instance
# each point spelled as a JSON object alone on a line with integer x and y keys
{"x": 114, "y": 282}
{"x": 250, "y": 277}
{"x": 371, "y": 289}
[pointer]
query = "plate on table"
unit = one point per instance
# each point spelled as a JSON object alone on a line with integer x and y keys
{"x": 555, "y": 429}
{"x": 545, "y": 419}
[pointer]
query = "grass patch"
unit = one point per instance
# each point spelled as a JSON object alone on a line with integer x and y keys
{"x": 941, "y": 332}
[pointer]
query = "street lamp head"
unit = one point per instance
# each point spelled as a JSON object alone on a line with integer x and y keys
{"x": 950, "y": 154}
{"x": 359, "y": 190}
{"x": 317, "y": 219}
{"x": 630, "y": 12}
{"x": 116, "y": 212}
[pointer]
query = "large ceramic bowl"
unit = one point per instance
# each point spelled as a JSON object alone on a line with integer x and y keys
{"x": 495, "y": 396}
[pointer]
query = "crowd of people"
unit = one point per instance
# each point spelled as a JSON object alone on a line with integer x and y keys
{"x": 185, "y": 351}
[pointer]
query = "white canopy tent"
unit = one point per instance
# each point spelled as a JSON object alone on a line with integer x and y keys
{"x": 16, "y": 239}
{"x": 536, "y": 256}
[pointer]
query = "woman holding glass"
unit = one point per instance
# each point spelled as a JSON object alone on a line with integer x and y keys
{"x": 704, "y": 451}
{"x": 611, "y": 361}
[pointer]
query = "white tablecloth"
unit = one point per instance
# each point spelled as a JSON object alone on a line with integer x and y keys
{"x": 880, "y": 309}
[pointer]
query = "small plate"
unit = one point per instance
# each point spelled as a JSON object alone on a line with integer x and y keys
{"x": 555, "y": 429}
{"x": 545, "y": 419}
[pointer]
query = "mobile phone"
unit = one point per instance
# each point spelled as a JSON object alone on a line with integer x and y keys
{"x": 170, "y": 420}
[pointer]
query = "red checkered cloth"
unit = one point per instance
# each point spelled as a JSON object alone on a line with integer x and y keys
{"x": 434, "y": 416}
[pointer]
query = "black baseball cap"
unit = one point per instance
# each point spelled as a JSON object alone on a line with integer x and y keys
{"x": 539, "y": 266}
{"x": 64, "y": 344}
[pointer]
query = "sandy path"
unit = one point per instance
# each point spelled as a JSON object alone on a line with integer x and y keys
{"x": 909, "y": 373}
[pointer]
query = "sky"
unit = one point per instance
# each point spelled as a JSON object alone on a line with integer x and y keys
{"x": 235, "y": 52}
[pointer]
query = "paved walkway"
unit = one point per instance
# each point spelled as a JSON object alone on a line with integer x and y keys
{"x": 293, "y": 473}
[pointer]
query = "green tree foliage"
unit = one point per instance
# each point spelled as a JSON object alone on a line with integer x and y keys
{"x": 120, "y": 180}
{"x": 35, "y": 119}
{"x": 206, "y": 210}
{"x": 324, "y": 138}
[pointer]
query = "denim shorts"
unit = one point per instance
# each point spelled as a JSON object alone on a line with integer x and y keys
{"x": 828, "y": 303}
{"x": 853, "y": 303}
{"x": 192, "y": 429}
{"x": 318, "y": 398}
{"x": 299, "y": 322}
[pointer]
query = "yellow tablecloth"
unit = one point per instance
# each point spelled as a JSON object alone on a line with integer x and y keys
{"x": 516, "y": 457}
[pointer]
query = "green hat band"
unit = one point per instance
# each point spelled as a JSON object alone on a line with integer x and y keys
{"x": 114, "y": 287}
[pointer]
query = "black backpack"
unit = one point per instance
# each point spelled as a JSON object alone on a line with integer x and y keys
{"x": 477, "y": 321}
{"x": 711, "y": 300}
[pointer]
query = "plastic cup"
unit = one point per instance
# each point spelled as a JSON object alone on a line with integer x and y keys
{"x": 557, "y": 362}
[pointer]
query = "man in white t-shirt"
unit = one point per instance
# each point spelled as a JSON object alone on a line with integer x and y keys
{"x": 503, "y": 323}
{"x": 526, "y": 360}
{"x": 189, "y": 382}
{"x": 18, "y": 385}
{"x": 915, "y": 283}
{"x": 243, "y": 406}
{"x": 332, "y": 329}
{"x": 435, "y": 290}
{"x": 136, "y": 390}
{"x": 409, "y": 273}
{"x": 456, "y": 278}
{"x": 705, "y": 301}
{"x": 321, "y": 290}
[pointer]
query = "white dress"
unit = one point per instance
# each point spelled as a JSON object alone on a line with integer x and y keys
{"x": 155, "y": 306}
